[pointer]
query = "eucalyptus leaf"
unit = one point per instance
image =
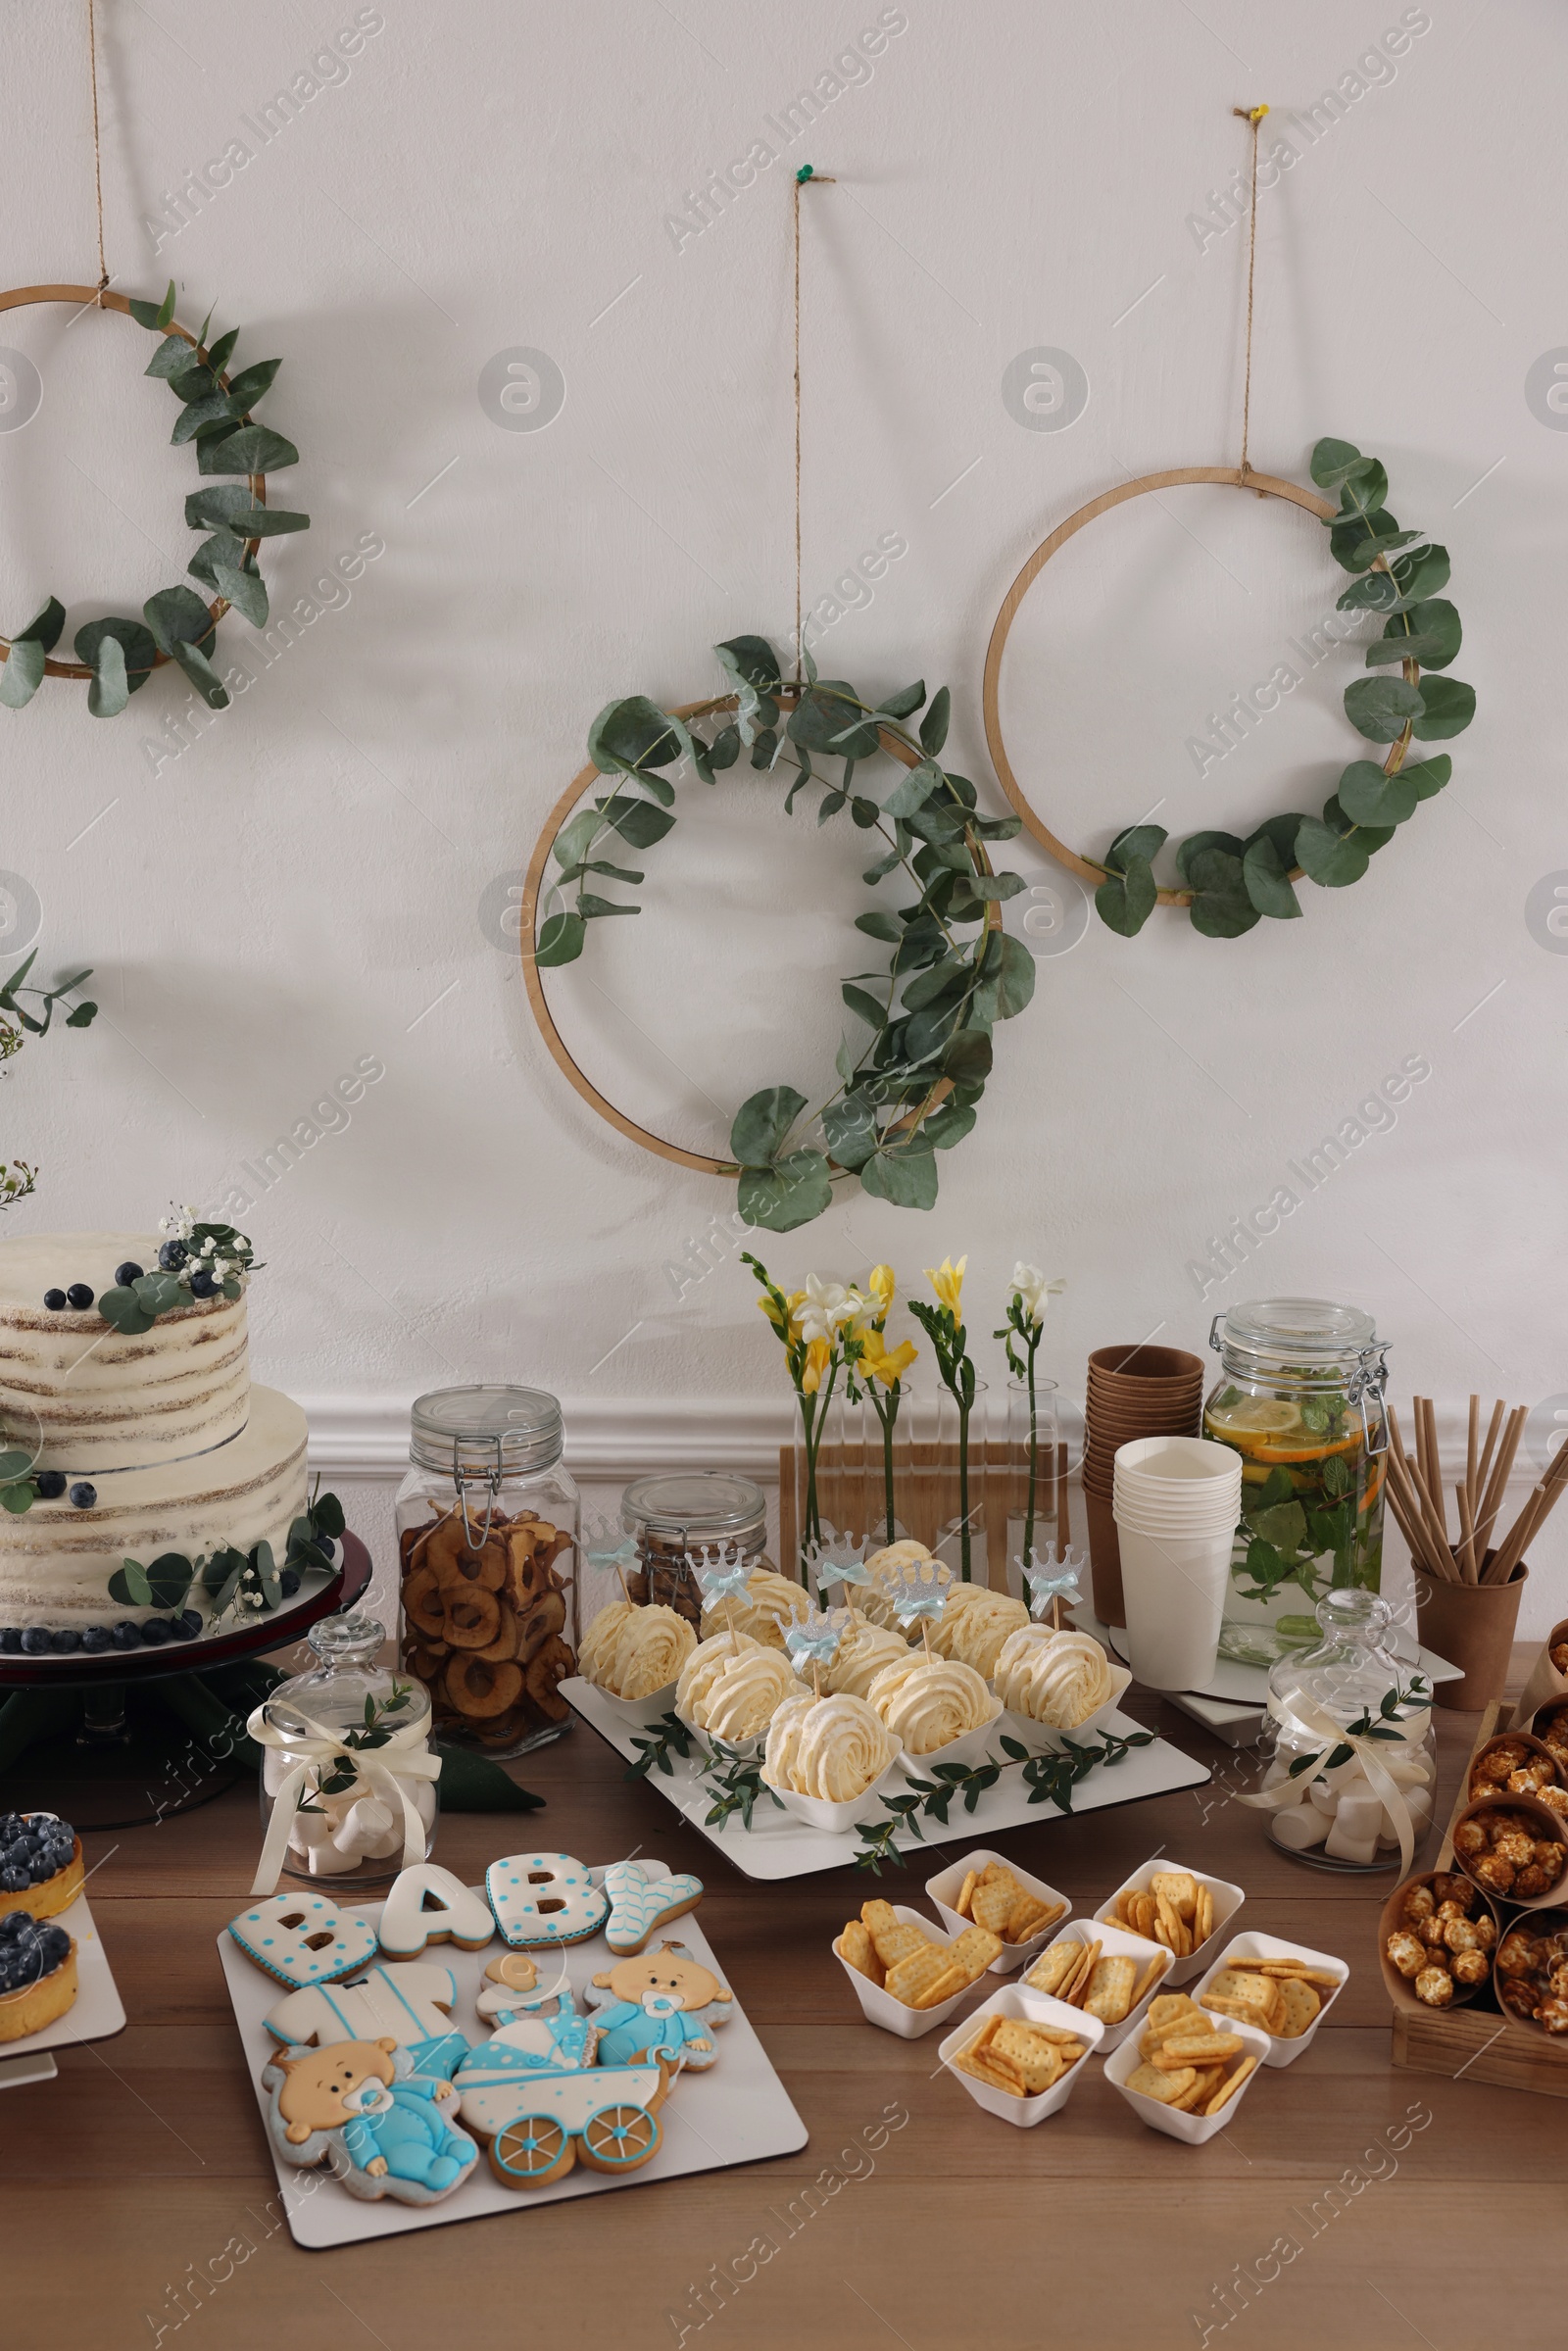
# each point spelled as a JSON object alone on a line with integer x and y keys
{"x": 202, "y": 676}
{"x": 1369, "y": 797}
{"x": 1266, "y": 880}
{"x": 912, "y": 790}
{"x": 906, "y": 1177}
{"x": 560, "y": 940}
{"x": 904, "y": 703}
{"x": 1329, "y": 857}
{"x": 991, "y": 889}
{"x": 245, "y": 590}
{"x": 828, "y": 717}
{"x": 1334, "y": 462}
{"x": 967, "y": 1056}
{"x": 1428, "y": 633}
{"x": 638, "y": 823}
{"x": 1194, "y": 842}
{"x": 948, "y": 1124}
{"x": 1381, "y": 707}
{"x": 1221, "y": 906}
{"x": 214, "y": 409}
{"x": 22, "y": 673}
{"x": 1140, "y": 843}
{"x": 230, "y": 506}
{"x": 129, "y": 1587}
{"x": 247, "y": 387}
{"x": 632, "y": 735}
{"x": 934, "y": 725}
{"x": 1281, "y": 830}
{"x": 178, "y": 616}
{"x": 753, "y": 660}
{"x": 252, "y": 449}
{"x": 950, "y": 977}
{"x": 123, "y": 1311}
{"x": 1011, "y": 967}
{"x": 136, "y": 642}
{"x": 1428, "y": 777}
{"x": 1447, "y": 708}
{"x": 172, "y": 358}
{"x": 194, "y": 384}
{"x": 791, "y": 1193}
{"x": 1124, "y": 900}
{"x": 850, "y": 1126}
{"x": 763, "y": 1123}
{"x": 864, "y": 1006}
{"x": 1356, "y": 543}
{"x": 109, "y": 686}
{"x": 222, "y": 351}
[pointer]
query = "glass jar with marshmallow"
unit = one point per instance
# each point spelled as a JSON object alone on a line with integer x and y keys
{"x": 348, "y": 1780}
{"x": 1353, "y": 1770}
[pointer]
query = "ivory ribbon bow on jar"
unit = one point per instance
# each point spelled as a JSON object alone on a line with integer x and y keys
{"x": 402, "y": 1757}
{"x": 1368, "y": 1752}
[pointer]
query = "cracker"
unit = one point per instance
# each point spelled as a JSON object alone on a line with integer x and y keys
{"x": 1031, "y": 1917}
{"x": 973, "y": 1950}
{"x": 1207, "y": 2048}
{"x": 1178, "y": 1887}
{"x": 912, "y": 1978}
{"x": 965, "y": 1891}
{"x": 1205, "y": 1923}
{"x": 1109, "y": 1996}
{"x": 1228, "y": 2089}
{"x": 990, "y": 1906}
{"x": 857, "y": 1949}
{"x": 1149, "y": 1976}
{"x": 1039, "y": 2061}
{"x": 1052, "y": 1969}
{"x": 1302, "y": 2005}
{"x": 1192, "y": 2099}
{"x": 899, "y": 1941}
{"x": 1078, "y": 1983}
{"x": 1165, "y": 2089}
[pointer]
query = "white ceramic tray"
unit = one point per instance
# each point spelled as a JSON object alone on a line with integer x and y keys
{"x": 736, "y": 2111}
{"x": 1248, "y": 1684}
{"x": 778, "y": 1845}
{"x": 96, "y": 2013}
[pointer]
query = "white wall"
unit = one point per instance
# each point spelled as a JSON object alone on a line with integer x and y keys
{"x": 302, "y": 886}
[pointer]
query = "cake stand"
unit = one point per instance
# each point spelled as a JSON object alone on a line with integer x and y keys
{"x": 137, "y": 1736}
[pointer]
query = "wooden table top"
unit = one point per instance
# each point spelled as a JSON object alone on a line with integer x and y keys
{"x": 143, "y": 2168}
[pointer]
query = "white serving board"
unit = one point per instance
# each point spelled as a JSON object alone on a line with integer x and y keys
{"x": 1248, "y": 1684}
{"x": 736, "y": 2111}
{"x": 96, "y": 2013}
{"x": 778, "y": 1845}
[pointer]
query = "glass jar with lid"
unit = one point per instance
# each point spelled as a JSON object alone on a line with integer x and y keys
{"x": 358, "y": 1727}
{"x": 1301, "y": 1399}
{"x": 681, "y": 1511}
{"x": 487, "y": 1525}
{"x": 1353, "y": 1751}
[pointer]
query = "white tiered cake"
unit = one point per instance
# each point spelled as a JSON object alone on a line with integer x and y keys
{"x": 181, "y": 1453}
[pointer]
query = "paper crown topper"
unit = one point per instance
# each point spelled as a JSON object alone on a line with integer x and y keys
{"x": 816, "y": 1640}
{"x": 915, "y": 1591}
{"x": 836, "y": 1558}
{"x": 609, "y": 1549}
{"x": 1051, "y": 1576}
{"x": 721, "y": 1571}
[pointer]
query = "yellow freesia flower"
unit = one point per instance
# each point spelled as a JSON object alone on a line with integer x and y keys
{"x": 767, "y": 1308}
{"x": 818, "y": 1355}
{"x": 881, "y": 1284}
{"x": 879, "y": 1361}
{"x": 948, "y": 1283}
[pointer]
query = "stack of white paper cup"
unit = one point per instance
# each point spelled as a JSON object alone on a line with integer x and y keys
{"x": 1177, "y": 1501}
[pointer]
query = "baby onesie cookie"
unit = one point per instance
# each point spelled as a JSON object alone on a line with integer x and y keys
{"x": 539, "y": 1899}
{"x": 459, "y": 1913}
{"x": 303, "y": 1938}
{"x": 640, "y": 1903}
{"x": 410, "y": 2005}
{"x": 663, "y": 2003}
{"x": 358, "y": 2106}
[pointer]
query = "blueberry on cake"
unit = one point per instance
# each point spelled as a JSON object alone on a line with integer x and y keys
{"x": 37, "y": 1974}
{"x": 40, "y": 1864}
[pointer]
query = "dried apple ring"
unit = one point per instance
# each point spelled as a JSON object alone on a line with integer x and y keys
{"x": 479, "y": 1690}
{"x": 552, "y": 1666}
{"x": 505, "y": 1643}
{"x": 547, "y": 1615}
{"x": 422, "y": 1602}
{"x": 473, "y": 1619}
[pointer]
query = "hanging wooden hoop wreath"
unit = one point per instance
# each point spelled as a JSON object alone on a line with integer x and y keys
{"x": 583, "y": 782}
{"x": 1265, "y": 486}
{"x": 185, "y": 635}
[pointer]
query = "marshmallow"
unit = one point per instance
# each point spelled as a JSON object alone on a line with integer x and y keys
{"x": 1299, "y": 1826}
{"x": 365, "y": 1828}
{"x": 328, "y": 1862}
{"x": 1345, "y": 1846}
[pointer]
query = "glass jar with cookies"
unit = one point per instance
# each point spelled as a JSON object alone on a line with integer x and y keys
{"x": 488, "y": 1527}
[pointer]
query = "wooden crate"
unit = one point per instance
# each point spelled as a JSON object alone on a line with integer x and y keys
{"x": 1480, "y": 2044}
{"x": 850, "y": 1496}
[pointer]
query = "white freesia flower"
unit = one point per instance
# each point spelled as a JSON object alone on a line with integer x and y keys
{"x": 1031, "y": 1286}
{"x": 825, "y": 1308}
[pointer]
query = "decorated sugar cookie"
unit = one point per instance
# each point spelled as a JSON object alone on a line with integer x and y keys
{"x": 410, "y": 2005}
{"x": 640, "y": 1903}
{"x": 427, "y": 1904}
{"x": 542, "y": 1899}
{"x": 358, "y": 2106}
{"x": 664, "y": 2003}
{"x": 494, "y": 2081}
{"x": 301, "y": 1939}
{"x": 512, "y": 1988}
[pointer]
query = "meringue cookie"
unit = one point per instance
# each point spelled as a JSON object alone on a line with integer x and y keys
{"x": 733, "y": 1689}
{"x": 1058, "y": 1679}
{"x": 770, "y": 1604}
{"x": 633, "y": 1651}
{"x": 860, "y": 1656}
{"x": 831, "y": 1747}
{"x": 974, "y": 1623}
{"x": 930, "y": 1701}
{"x": 876, "y": 1599}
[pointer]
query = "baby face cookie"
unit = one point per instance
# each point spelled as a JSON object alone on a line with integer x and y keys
{"x": 357, "y": 2105}
{"x": 663, "y": 2003}
{"x": 541, "y": 1899}
{"x": 640, "y": 1903}
{"x": 427, "y": 1904}
{"x": 301, "y": 1939}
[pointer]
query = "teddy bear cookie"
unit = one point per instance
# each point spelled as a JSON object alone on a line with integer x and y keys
{"x": 544, "y": 1899}
{"x": 427, "y": 1904}
{"x": 37, "y": 1973}
{"x": 410, "y": 2004}
{"x": 641, "y": 1901}
{"x": 662, "y": 2004}
{"x": 303, "y": 1938}
{"x": 360, "y": 2106}
{"x": 40, "y": 1864}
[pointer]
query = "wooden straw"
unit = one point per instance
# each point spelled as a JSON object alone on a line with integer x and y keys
{"x": 1426, "y": 1550}
{"x": 1484, "y": 1470}
{"x": 1429, "y": 1420}
{"x": 1415, "y": 1534}
{"x": 1500, "y": 1470}
{"x": 1465, "y": 1548}
{"x": 1526, "y": 1527}
{"x": 1471, "y": 1452}
{"x": 1419, "y": 1502}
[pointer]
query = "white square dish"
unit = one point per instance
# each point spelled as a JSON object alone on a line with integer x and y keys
{"x": 1033, "y": 2008}
{"x": 946, "y": 1886}
{"x": 1194, "y": 2129}
{"x": 1255, "y": 1945}
{"x": 881, "y": 2008}
{"x": 1045, "y": 1738}
{"x": 971, "y": 1747}
{"x": 1228, "y": 1901}
{"x": 1116, "y": 1942}
{"x": 838, "y": 1820}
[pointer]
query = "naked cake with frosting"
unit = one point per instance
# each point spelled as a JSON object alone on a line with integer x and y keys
{"x": 125, "y": 1385}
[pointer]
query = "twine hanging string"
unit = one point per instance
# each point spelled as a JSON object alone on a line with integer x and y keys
{"x": 820, "y": 179}
{"x": 1253, "y": 115}
{"x": 97, "y": 151}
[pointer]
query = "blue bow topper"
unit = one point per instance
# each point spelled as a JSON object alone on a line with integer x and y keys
{"x": 606, "y": 1552}
{"x": 917, "y": 1592}
{"x": 1052, "y": 1578}
{"x": 816, "y": 1640}
{"x": 721, "y": 1571}
{"x": 837, "y": 1558}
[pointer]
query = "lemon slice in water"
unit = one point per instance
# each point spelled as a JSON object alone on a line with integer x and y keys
{"x": 1252, "y": 1416}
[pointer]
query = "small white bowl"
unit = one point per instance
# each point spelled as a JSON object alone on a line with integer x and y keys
{"x": 641, "y": 1713}
{"x": 946, "y": 1886}
{"x": 1195, "y": 2129}
{"x": 1047, "y": 1739}
{"x": 725, "y": 1751}
{"x": 881, "y": 2008}
{"x": 1031, "y": 2008}
{"x": 1228, "y": 1901}
{"x": 1116, "y": 1942}
{"x": 1253, "y": 1946}
{"x": 971, "y": 1747}
{"x": 817, "y": 1812}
